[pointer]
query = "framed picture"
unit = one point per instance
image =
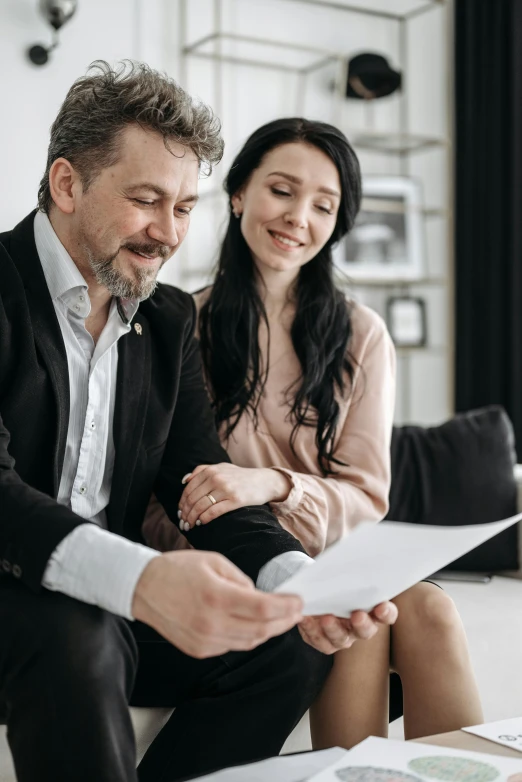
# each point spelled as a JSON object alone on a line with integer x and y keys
{"x": 387, "y": 240}
{"x": 406, "y": 320}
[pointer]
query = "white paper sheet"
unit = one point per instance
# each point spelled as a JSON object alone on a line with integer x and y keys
{"x": 505, "y": 732}
{"x": 285, "y": 768}
{"x": 381, "y": 760}
{"x": 376, "y": 562}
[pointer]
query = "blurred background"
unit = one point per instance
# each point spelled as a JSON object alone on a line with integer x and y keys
{"x": 428, "y": 91}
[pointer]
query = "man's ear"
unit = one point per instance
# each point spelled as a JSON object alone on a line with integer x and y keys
{"x": 65, "y": 185}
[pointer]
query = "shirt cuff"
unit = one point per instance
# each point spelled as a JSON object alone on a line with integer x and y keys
{"x": 280, "y": 569}
{"x": 98, "y": 567}
{"x": 295, "y": 496}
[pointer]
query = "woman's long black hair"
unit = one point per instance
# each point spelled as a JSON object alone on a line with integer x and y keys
{"x": 322, "y": 328}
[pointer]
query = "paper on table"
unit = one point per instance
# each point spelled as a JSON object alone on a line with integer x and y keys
{"x": 505, "y": 732}
{"x": 285, "y": 768}
{"x": 379, "y": 561}
{"x": 381, "y": 760}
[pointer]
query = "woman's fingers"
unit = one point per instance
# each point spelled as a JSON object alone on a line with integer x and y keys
{"x": 207, "y": 490}
{"x": 196, "y": 487}
{"x": 199, "y": 502}
{"x": 326, "y": 633}
{"x": 209, "y": 514}
{"x": 204, "y": 498}
{"x": 212, "y": 513}
{"x": 214, "y": 489}
{"x": 385, "y": 613}
{"x": 197, "y": 477}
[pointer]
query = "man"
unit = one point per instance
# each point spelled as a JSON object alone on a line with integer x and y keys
{"x": 102, "y": 402}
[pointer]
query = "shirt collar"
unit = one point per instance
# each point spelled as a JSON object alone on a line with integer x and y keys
{"x": 127, "y": 309}
{"x": 60, "y": 271}
{"x": 63, "y": 277}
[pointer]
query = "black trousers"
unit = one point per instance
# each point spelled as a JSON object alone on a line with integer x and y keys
{"x": 69, "y": 670}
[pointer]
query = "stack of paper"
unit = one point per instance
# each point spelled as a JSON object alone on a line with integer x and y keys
{"x": 505, "y": 732}
{"x": 381, "y": 760}
{"x": 377, "y": 562}
{"x": 285, "y": 768}
{"x": 378, "y": 760}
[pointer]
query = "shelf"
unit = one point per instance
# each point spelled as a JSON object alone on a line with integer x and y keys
{"x": 262, "y": 53}
{"x": 394, "y": 10}
{"x": 395, "y": 143}
{"x": 345, "y": 281}
{"x": 434, "y": 350}
{"x": 370, "y": 204}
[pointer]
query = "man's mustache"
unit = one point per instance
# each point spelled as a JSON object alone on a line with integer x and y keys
{"x": 160, "y": 250}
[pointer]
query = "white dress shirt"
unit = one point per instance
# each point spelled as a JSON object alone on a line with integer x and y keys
{"x": 92, "y": 564}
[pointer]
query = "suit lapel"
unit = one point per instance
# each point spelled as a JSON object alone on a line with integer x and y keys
{"x": 47, "y": 333}
{"x": 132, "y": 393}
{"x": 134, "y": 369}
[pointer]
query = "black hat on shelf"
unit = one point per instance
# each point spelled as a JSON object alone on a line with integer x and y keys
{"x": 370, "y": 76}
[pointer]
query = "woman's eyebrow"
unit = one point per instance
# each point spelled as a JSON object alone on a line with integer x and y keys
{"x": 297, "y": 181}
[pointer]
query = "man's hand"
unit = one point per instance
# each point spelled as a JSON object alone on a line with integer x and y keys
{"x": 205, "y": 606}
{"x": 330, "y": 633}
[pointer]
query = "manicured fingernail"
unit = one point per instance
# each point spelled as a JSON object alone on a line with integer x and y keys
{"x": 181, "y": 523}
{"x": 198, "y": 523}
{"x": 179, "y": 514}
{"x": 186, "y": 477}
{"x": 187, "y": 526}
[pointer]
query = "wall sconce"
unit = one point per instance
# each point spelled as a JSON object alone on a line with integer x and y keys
{"x": 56, "y": 13}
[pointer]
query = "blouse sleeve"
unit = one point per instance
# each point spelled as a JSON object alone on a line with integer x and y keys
{"x": 319, "y": 511}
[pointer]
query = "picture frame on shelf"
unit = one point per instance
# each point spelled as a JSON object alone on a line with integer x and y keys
{"x": 406, "y": 321}
{"x": 387, "y": 241}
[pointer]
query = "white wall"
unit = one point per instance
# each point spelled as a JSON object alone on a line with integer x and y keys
{"x": 30, "y": 96}
{"x": 244, "y": 97}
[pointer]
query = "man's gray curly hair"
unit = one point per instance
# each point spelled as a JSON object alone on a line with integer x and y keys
{"x": 101, "y": 104}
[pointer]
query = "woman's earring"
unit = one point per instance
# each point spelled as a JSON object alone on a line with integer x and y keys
{"x": 237, "y": 215}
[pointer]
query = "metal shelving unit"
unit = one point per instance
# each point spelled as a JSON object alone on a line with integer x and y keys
{"x": 396, "y": 143}
{"x": 224, "y": 47}
{"x": 308, "y": 59}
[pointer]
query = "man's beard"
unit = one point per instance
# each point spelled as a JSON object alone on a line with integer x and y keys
{"x": 143, "y": 282}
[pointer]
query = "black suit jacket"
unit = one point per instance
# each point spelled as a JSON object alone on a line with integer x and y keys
{"x": 163, "y": 425}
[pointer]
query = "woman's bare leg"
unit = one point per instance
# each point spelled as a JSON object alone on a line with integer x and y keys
{"x": 429, "y": 651}
{"x": 353, "y": 703}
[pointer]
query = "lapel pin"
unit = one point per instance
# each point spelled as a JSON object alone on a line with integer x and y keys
{"x": 138, "y": 329}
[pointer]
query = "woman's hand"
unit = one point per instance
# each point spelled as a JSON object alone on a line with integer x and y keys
{"x": 214, "y": 489}
{"x": 330, "y": 633}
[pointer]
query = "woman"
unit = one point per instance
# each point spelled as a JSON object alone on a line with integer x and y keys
{"x": 302, "y": 385}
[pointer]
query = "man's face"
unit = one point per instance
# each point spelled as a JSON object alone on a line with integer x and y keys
{"x": 135, "y": 214}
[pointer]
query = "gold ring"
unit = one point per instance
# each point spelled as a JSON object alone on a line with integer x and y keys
{"x": 211, "y": 498}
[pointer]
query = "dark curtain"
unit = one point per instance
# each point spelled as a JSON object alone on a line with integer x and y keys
{"x": 488, "y": 206}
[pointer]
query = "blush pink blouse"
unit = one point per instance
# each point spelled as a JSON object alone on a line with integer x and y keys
{"x": 318, "y": 510}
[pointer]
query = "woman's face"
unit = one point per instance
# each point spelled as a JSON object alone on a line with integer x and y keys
{"x": 289, "y": 206}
